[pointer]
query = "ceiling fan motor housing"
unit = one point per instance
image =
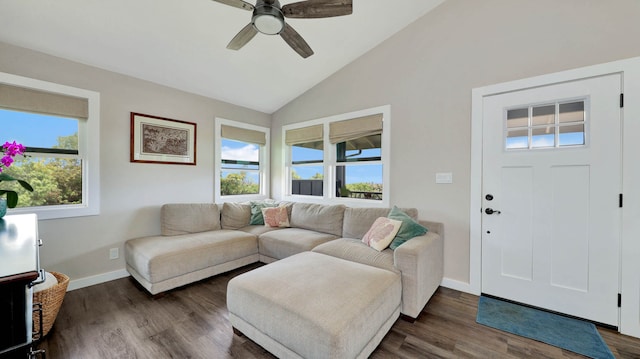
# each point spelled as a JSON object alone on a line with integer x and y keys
{"x": 268, "y": 18}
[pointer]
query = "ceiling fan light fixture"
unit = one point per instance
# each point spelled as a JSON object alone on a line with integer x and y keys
{"x": 268, "y": 24}
{"x": 268, "y": 18}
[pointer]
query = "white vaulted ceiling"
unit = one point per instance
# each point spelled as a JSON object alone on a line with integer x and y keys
{"x": 182, "y": 43}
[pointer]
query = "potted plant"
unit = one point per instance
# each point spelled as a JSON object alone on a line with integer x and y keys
{"x": 9, "y": 151}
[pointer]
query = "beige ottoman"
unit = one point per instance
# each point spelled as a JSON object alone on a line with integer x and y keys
{"x": 312, "y": 305}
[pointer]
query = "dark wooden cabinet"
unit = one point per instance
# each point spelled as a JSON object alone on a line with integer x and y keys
{"x": 19, "y": 270}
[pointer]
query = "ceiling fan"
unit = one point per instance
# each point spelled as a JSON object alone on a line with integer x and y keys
{"x": 268, "y": 18}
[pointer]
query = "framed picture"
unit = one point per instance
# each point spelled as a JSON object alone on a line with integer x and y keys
{"x": 162, "y": 140}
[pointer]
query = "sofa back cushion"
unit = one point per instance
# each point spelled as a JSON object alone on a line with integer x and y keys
{"x": 184, "y": 218}
{"x": 318, "y": 217}
{"x": 357, "y": 221}
{"x": 235, "y": 215}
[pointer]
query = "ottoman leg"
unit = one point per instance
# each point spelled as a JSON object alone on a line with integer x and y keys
{"x": 237, "y": 332}
{"x": 407, "y": 318}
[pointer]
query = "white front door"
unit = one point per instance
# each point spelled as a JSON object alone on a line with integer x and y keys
{"x": 551, "y": 185}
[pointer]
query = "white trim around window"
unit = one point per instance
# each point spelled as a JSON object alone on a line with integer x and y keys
{"x": 88, "y": 148}
{"x": 264, "y": 162}
{"x": 330, "y": 161}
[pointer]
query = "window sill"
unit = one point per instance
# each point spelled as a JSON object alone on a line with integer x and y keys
{"x": 350, "y": 202}
{"x": 241, "y": 198}
{"x": 57, "y": 212}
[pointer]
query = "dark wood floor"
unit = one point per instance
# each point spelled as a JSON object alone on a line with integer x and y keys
{"x": 120, "y": 320}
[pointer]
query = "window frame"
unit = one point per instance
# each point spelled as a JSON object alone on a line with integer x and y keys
{"x": 330, "y": 161}
{"x": 88, "y": 133}
{"x": 264, "y": 166}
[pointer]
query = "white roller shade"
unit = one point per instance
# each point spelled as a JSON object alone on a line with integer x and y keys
{"x": 30, "y": 100}
{"x": 243, "y": 134}
{"x": 311, "y": 134}
{"x": 343, "y": 131}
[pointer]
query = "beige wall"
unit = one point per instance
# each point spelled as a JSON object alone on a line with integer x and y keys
{"x": 131, "y": 193}
{"x": 426, "y": 73}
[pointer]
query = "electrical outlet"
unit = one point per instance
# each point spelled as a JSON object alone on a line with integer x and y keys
{"x": 114, "y": 253}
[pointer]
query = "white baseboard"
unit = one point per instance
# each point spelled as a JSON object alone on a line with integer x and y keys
{"x": 97, "y": 279}
{"x": 122, "y": 273}
{"x": 458, "y": 285}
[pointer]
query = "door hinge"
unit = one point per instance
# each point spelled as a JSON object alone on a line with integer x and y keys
{"x": 621, "y": 100}
{"x": 620, "y": 201}
{"x": 619, "y": 300}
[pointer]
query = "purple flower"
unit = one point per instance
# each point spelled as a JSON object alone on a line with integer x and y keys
{"x": 7, "y": 160}
{"x": 13, "y": 149}
{"x": 10, "y": 149}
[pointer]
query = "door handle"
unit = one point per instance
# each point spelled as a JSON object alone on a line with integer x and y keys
{"x": 491, "y": 211}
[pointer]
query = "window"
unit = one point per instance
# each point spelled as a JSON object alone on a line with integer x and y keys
{"x": 560, "y": 124}
{"x": 52, "y": 165}
{"x": 240, "y": 168}
{"x": 55, "y": 123}
{"x": 358, "y": 144}
{"x": 340, "y": 158}
{"x": 306, "y": 147}
{"x": 359, "y": 170}
{"x": 242, "y": 156}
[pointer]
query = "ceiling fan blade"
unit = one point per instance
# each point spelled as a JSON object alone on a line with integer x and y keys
{"x": 318, "y": 8}
{"x": 296, "y": 41}
{"x": 245, "y": 35}
{"x": 237, "y": 3}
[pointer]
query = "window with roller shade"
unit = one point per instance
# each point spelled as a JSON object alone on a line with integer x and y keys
{"x": 341, "y": 158}
{"x": 242, "y": 160}
{"x": 56, "y": 124}
{"x": 306, "y": 155}
{"x": 358, "y": 144}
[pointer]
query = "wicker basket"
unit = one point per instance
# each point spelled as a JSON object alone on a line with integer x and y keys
{"x": 51, "y": 300}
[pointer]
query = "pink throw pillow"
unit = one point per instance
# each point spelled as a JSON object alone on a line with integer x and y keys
{"x": 381, "y": 233}
{"x": 276, "y": 217}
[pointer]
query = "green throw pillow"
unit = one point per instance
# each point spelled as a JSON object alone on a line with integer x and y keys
{"x": 256, "y": 211}
{"x": 408, "y": 229}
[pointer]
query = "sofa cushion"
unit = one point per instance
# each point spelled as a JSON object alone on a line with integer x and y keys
{"x": 257, "y": 229}
{"x": 287, "y": 205}
{"x": 409, "y": 229}
{"x": 160, "y": 257}
{"x": 235, "y": 215}
{"x": 289, "y": 241}
{"x": 318, "y": 217}
{"x": 184, "y": 218}
{"x": 354, "y": 250}
{"x": 357, "y": 221}
{"x": 381, "y": 233}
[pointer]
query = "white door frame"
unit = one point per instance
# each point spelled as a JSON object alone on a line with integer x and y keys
{"x": 630, "y": 243}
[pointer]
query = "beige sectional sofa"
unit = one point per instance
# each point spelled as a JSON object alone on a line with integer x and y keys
{"x": 201, "y": 240}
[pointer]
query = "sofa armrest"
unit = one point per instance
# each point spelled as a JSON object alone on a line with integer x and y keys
{"x": 421, "y": 262}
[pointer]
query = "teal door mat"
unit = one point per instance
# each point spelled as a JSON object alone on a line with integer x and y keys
{"x": 571, "y": 334}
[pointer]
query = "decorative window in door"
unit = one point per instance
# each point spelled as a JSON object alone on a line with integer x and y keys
{"x": 553, "y": 125}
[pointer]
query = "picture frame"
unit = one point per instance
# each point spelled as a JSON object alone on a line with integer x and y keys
{"x": 162, "y": 140}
